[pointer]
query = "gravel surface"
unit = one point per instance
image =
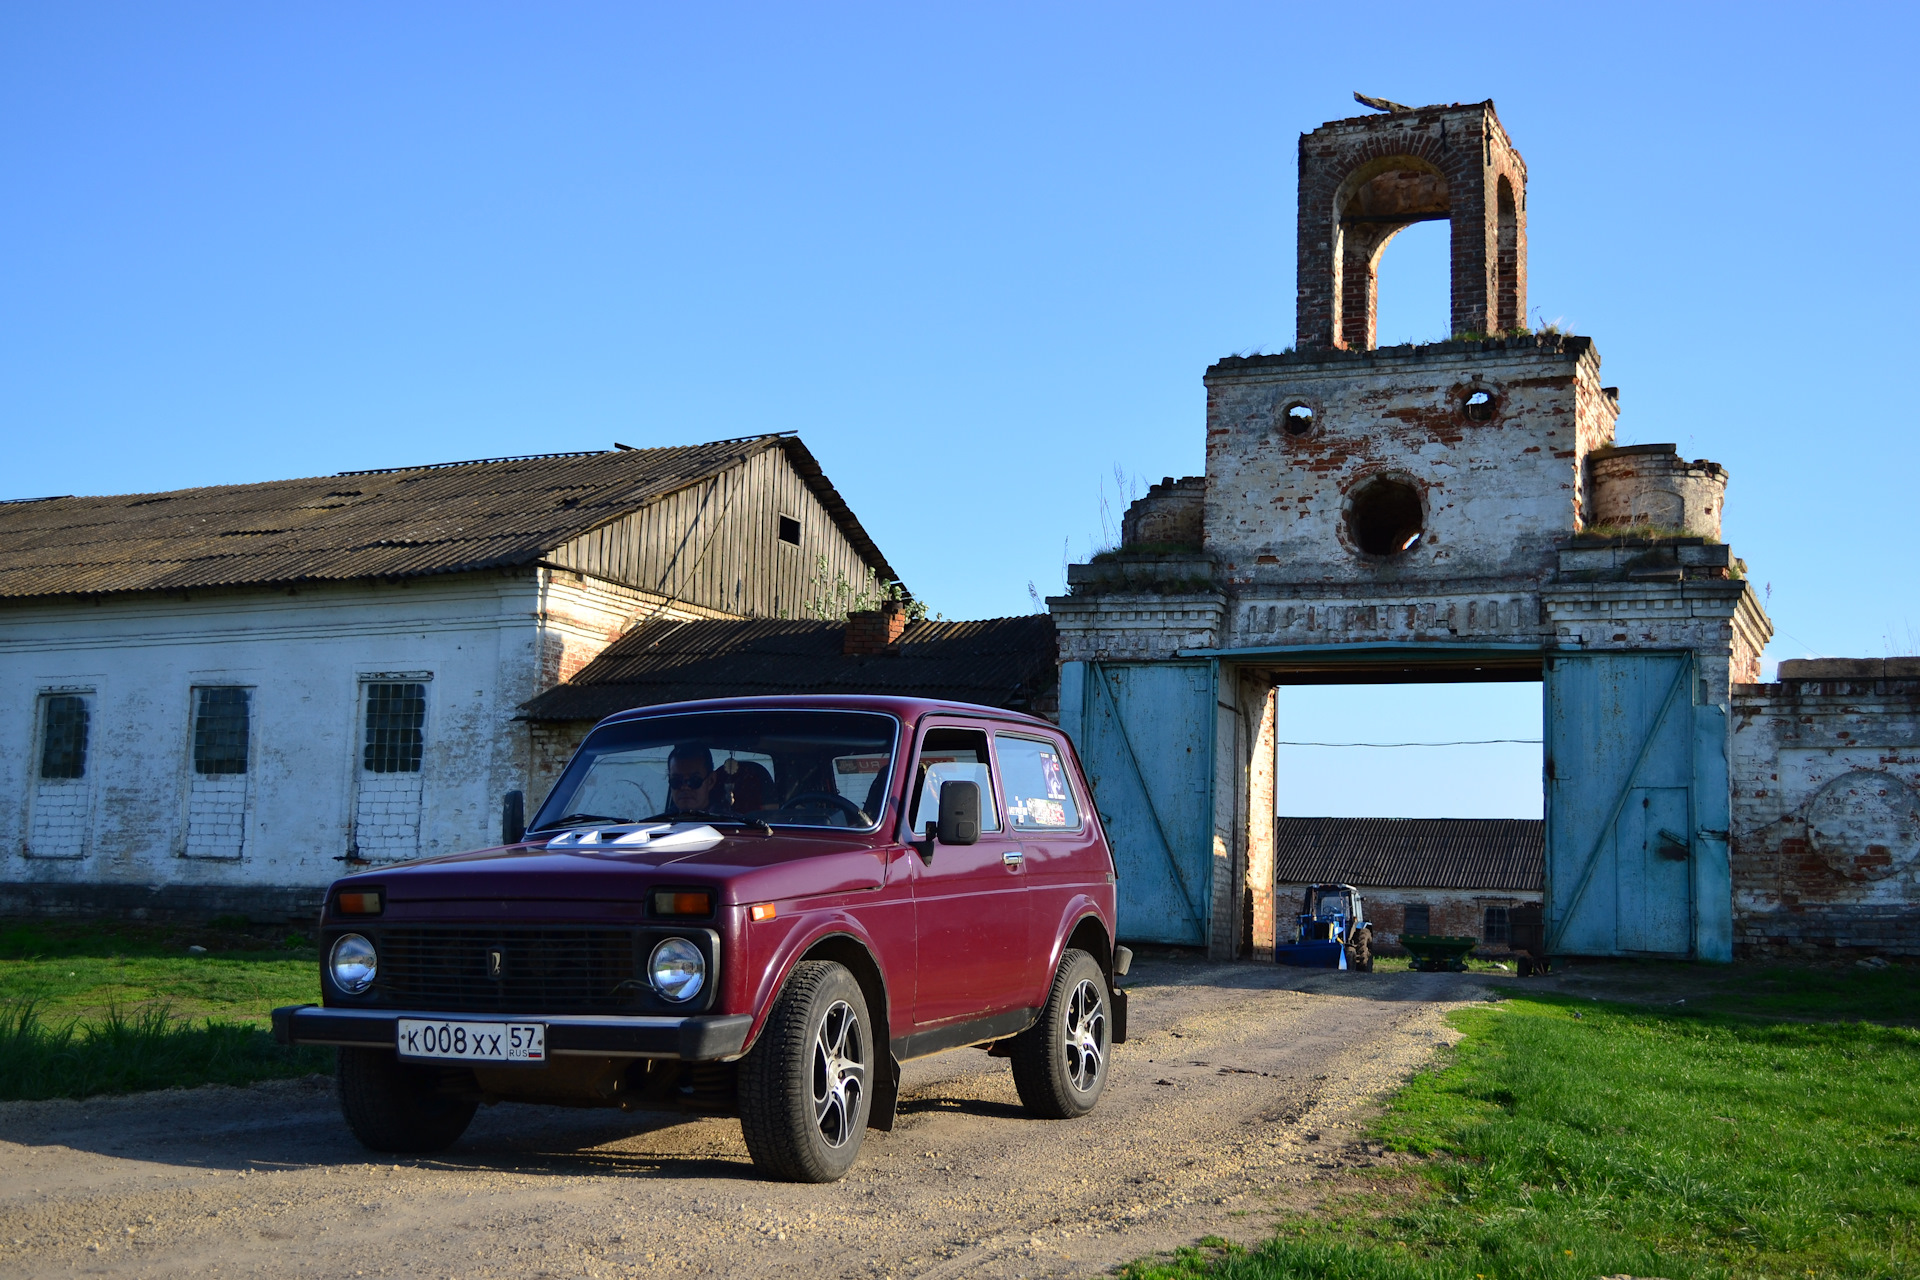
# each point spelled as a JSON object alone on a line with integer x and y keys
{"x": 1233, "y": 1098}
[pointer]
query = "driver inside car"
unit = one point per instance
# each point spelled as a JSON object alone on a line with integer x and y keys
{"x": 691, "y": 782}
{"x": 694, "y": 785}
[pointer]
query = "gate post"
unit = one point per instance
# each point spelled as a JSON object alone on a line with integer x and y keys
{"x": 1261, "y": 709}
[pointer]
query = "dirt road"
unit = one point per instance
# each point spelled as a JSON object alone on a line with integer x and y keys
{"x": 1231, "y": 1095}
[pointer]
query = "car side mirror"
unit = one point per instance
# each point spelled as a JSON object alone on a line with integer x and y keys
{"x": 959, "y": 812}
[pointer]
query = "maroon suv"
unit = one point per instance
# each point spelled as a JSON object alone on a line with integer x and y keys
{"x": 758, "y": 906}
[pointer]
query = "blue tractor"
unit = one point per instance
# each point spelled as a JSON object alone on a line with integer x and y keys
{"x": 1332, "y": 931}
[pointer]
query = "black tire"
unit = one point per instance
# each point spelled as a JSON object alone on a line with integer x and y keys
{"x": 806, "y": 1086}
{"x": 1060, "y": 1062}
{"x": 1525, "y": 966}
{"x": 398, "y": 1107}
{"x": 1360, "y": 954}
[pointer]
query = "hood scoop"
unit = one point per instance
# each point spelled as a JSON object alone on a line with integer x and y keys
{"x": 659, "y": 837}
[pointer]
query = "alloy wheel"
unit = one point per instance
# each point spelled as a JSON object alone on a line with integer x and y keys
{"x": 1086, "y": 1034}
{"x": 839, "y": 1073}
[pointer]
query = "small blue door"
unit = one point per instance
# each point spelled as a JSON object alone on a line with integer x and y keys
{"x": 1145, "y": 737}
{"x": 1621, "y": 744}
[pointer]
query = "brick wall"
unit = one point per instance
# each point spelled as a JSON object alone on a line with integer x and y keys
{"x": 1826, "y": 808}
{"x": 1172, "y": 514}
{"x": 1363, "y": 178}
{"x": 216, "y": 815}
{"x": 1457, "y": 913}
{"x": 62, "y": 816}
{"x": 386, "y": 820}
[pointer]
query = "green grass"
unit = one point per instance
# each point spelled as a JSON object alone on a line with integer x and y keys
{"x": 83, "y": 971}
{"x": 1568, "y": 1139}
{"x": 113, "y": 1008}
{"x": 122, "y": 1053}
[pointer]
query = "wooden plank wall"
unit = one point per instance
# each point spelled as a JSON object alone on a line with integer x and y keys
{"x": 716, "y": 543}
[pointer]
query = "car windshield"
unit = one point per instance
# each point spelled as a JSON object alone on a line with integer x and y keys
{"x": 779, "y": 768}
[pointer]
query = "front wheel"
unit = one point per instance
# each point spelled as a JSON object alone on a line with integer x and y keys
{"x": 397, "y": 1107}
{"x": 1060, "y": 1062}
{"x": 805, "y": 1087}
{"x": 1360, "y": 954}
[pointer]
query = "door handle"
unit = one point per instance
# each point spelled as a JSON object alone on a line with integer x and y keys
{"x": 1013, "y": 858}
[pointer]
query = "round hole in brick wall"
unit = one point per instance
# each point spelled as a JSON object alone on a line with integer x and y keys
{"x": 1384, "y": 517}
{"x": 1297, "y": 419}
{"x": 1479, "y": 406}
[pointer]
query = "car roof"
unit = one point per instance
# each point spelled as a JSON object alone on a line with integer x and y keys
{"x": 909, "y": 710}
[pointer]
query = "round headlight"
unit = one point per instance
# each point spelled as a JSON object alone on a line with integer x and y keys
{"x": 677, "y": 969}
{"x": 352, "y": 964}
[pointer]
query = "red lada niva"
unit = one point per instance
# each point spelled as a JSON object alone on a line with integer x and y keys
{"x": 752, "y": 906}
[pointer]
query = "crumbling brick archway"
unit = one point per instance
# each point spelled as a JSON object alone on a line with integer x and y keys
{"x": 1364, "y": 180}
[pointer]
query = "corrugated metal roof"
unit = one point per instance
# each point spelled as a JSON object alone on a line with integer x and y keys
{"x": 1424, "y": 853}
{"x": 441, "y": 518}
{"x": 1000, "y": 662}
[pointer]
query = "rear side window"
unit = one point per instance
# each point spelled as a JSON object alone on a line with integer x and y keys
{"x": 1034, "y": 778}
{"x": 953, "y": 755}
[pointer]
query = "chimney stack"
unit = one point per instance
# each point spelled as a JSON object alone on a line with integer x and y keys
{"x": 874, "y": 630}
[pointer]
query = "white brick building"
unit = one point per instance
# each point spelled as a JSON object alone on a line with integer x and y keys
{"x": 217, "y": 700}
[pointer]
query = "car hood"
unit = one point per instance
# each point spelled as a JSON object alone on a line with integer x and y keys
{"x": 747, "y": 866}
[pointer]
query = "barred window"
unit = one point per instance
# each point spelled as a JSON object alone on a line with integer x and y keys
{"x": 396, "y": 720}
{"x": 220, "y": 730}
{"x": 1494, "y": 930}
{"x": 63, "y": 737}
{"x": 1419, "y": 921}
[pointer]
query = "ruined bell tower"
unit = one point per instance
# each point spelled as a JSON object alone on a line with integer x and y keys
{"x": 1363, "y": 181}
{"x": 1454, "y": 510}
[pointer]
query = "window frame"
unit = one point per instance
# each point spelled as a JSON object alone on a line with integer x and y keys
{"x": 1506, "y": 924}
{"x": 363, "y": 708}
{"x": 43, "y": 726}
{"x": 1425, "y": 908}
{"x": 193, "y": 731}
{"x": 911, "y": 786}
{"x": 89, "y": 695}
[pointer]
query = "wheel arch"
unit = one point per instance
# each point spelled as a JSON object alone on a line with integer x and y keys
{"x": 1089, "y": 934}
{"x": 854, "y": 955}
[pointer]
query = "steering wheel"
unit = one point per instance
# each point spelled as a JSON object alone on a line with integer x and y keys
{"x": 854, "y": 813}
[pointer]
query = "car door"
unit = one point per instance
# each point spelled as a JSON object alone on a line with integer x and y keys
{"x": 971, "y": 912}
{"x": 1062, "y": 854}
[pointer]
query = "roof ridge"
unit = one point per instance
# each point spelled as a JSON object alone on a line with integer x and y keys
{"x": 573, "y": 453}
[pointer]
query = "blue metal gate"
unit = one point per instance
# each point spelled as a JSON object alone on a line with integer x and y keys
{"x": 1145, "y": 735}
{"x": 1636, "y": 804}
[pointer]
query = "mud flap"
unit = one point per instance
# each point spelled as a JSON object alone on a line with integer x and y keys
{"x": 1119, "y": 1016}
{"x": 886, "y": 1095}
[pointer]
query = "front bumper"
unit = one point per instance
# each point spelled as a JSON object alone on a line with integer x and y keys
{"x": 696, "y": 1039}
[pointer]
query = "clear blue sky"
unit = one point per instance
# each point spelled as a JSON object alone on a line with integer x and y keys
{"x": 977, "y": 256}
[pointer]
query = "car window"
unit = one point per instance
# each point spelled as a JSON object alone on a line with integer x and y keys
{"x": 953, "y": 754}
{"x": 1034, "y": 780}
{"x": 778, "y": 766}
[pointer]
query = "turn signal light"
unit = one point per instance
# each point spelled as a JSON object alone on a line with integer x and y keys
{"x": 362, "y": 903}
{"x": 679, "y": 902}
{"x": 761, "y": 911}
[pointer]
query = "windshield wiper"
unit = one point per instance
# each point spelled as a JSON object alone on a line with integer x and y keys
{"x": 709, "y": 816}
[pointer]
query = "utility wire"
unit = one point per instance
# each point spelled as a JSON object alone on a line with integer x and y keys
{"x": 1470, "y": 742}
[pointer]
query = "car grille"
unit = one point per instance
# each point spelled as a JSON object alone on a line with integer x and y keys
{"x": 552, "y": 970}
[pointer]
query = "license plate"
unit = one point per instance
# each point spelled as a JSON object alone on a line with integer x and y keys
{"x": 473, "y": 1041}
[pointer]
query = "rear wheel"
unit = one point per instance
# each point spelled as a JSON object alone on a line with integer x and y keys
{"x": 805, "y": 1088}
{"x": 398, "y": 1107}
{"x": 1060, "y": 1062}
